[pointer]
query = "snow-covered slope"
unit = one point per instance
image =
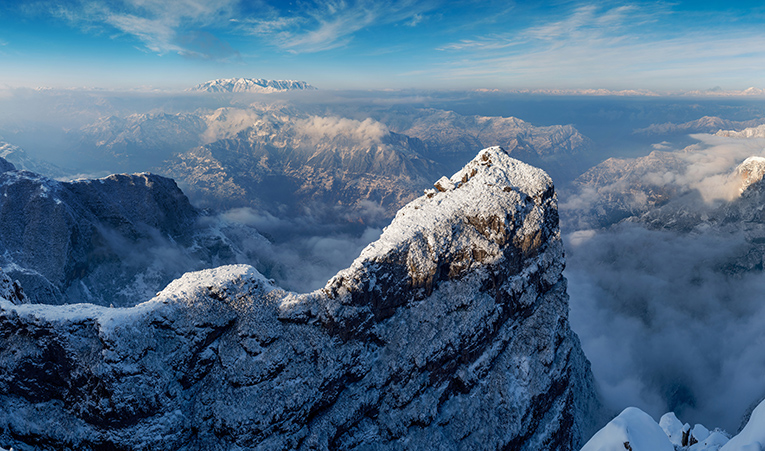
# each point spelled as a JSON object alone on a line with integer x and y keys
{"x": 253, "y": 85}
{"x": 21, "y": 161}
{"x": 635, "y": 430}
{"x": 632, "y": 430}
{"x": 450, "y": 332}
{"x": 706, "y": 124}
{"x": 751, "y": 132}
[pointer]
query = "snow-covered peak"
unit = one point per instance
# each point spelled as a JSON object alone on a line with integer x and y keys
{"x": 456, "y": 337}
{"x": 751, "y": 171}
{"x": 488, "y": 194}
{"x": 254, "y": 85}
{"x": 751, "y": 132}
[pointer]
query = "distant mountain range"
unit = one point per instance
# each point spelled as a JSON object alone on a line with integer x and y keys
{"x": 293, "y": 159}
{"x": 706, "y": 124}
{"x": 252, "y": 85}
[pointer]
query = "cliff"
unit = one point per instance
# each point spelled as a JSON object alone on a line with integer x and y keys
{"x": 449, "y": 332}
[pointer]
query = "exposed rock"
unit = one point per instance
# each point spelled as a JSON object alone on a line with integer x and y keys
{"x": 77, "y": 241}
{"x": 6, "y": 165}
{"x": 291, "y": 164}
{"x": 450, "y": 332}
{"x": 11, "y": 289}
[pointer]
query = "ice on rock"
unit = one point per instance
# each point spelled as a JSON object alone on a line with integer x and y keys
{"x": 713, "y": 442}
{"x": 699, "y": 432}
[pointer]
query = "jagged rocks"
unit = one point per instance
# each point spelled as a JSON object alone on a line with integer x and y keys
{"x": 450, "y": 332}
{"x": 77, "y": 241}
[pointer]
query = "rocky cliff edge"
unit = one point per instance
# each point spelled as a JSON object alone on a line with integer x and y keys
{"x": 449, "y": 332}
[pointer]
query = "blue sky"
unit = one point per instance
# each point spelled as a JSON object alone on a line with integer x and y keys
{"x": 396, "y": 44}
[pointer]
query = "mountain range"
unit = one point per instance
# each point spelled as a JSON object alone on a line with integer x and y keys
{"x": 251, "y": 85}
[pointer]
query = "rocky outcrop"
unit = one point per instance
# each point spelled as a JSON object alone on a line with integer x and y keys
{"x": 450, "y": 332}
{"x": 87, "y": 240}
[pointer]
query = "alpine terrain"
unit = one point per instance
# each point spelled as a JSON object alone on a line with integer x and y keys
{"x": 449, "y": 332}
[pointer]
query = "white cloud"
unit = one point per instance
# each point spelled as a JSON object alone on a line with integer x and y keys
{"x": 162, "y": 26}
{"x": 667, "y": 319}
{"x": 596, "y": 45}
{"x": 327, "y": 25}
{"x": 320, "y": 128}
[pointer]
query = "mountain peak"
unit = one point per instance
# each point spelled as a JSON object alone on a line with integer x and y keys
{"x": 251, "y": 85}
{"x": 451, "y": 331}
{"x": 751, "y": 171}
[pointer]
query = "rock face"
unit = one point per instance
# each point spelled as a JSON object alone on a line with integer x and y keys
{"x": 450, "y": 332}
{"x": 75, "y": 242}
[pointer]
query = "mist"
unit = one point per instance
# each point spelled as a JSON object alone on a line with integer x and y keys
{"x": 666, "y": 314}
{"x": 299, "y": 254}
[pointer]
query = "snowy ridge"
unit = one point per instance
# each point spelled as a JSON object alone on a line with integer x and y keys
{"x": 635, "y": 430}
{"x": 751, "y": 132}
{"x": 452, "y": 331}
{"x": 253, "y": 85}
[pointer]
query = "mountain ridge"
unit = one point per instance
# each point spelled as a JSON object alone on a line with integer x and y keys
{"x": 455, "y": 335}
{"x": 251, "y": 85}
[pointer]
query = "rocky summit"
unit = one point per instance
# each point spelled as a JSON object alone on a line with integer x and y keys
{"x": 449, "y": 332}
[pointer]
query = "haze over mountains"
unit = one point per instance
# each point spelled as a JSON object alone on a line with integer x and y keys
{"x": 662, "y": 231}
{"x": 669, "y": 246}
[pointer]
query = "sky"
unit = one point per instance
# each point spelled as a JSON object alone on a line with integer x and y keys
{"x": 397, "y": 44}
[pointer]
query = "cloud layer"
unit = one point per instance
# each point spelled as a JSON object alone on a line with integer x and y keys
{"x": 665, "y": 320}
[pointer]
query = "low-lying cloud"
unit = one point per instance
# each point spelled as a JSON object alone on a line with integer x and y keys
{"x": 320, "y": 128}
{"x": 668, "y": 320}
{"x": 300, "y": 254}
{"x": 665, "y": 326}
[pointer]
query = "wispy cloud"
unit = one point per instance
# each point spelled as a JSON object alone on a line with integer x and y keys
{"x": 592, "y": 43}
{"x": 328, "y": 25}
{"x": 176, "y": 26}
{"x": 161, "y": 26}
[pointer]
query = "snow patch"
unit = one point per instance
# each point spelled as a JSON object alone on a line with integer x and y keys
{"x": 632, "y": 430}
